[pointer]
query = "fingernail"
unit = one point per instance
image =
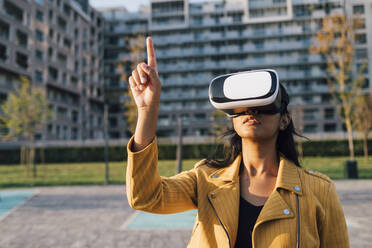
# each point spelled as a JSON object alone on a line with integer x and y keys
{"x": 144, "y": 66}
{"x": 143, "y": 80}
{"x": 141, "y": 87}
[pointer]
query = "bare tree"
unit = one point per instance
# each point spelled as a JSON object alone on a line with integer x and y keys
{"x": 362, "y": 119}
{"x": 136, "y": 54}
{"x": 335, "y": 41}
{"x": 25, "y": 113}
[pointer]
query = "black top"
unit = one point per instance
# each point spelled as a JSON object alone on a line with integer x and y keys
{"x": 248, "y": 215}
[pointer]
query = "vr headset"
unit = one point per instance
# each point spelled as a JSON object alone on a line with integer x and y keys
{"x": 258, "y": 90}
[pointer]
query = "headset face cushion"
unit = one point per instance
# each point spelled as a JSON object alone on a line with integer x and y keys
{"x": 259, "y": 88}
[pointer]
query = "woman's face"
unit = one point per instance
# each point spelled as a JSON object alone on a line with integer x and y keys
{"x": 259, "y": 127}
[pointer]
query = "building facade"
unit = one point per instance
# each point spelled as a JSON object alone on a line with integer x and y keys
{"x": 196, "y": 42}
{"x": 56, "y": 44}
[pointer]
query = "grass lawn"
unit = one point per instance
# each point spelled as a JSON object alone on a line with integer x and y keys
{"x": 94, "y": 173}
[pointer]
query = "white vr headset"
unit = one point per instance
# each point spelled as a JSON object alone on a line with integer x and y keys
{"x": 258, "y": 90}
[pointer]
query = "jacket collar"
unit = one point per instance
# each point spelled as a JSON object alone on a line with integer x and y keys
{"x": 288, "y": 177}
{"x": 229, "y": 173}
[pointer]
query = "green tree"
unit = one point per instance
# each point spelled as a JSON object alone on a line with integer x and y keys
{"x": 26, "y": 111}
{"x": 335, "y": 41}
{"x": 136, "y": 55}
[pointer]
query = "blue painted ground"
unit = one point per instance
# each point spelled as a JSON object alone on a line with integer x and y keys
{"x": 12, "y": 198}
{"x": 144, "y": 220}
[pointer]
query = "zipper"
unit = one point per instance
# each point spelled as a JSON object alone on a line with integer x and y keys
{"x": 298, "y": 222}
{"x": 227, "y": 234}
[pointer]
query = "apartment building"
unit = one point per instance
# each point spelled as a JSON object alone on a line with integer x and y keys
{"x": 196, "y": 42}
{"x": 121, "y": 30}
{"x": 57, "y": 44}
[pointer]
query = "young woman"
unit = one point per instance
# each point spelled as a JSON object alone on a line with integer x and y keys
{"x": 259, "y": 196}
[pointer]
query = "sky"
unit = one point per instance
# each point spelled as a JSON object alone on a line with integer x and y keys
{"x": 131, "y": 5}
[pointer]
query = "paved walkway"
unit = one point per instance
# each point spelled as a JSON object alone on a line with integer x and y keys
{"x": 97, "y": 217}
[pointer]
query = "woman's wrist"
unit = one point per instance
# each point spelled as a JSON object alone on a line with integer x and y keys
{"x": 145, "y": 129}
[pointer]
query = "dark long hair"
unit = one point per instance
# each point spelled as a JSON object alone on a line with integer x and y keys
{"x": 284, "y": 144}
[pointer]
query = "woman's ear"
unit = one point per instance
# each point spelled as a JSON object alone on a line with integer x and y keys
{"x": 284, "y": 121}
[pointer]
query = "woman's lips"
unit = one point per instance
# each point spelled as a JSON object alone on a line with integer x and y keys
{"x": 250, "y": 120}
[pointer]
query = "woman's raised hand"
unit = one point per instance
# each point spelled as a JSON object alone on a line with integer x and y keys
{"x": 145, "y": 83}
{"x": 146, "y": 88}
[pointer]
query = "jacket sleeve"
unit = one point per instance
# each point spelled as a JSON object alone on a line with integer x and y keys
{"x": 334, "y": 230}
{"x": 147, "y": 191}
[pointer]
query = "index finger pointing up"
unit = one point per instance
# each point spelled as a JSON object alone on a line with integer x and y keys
{"x": 151, "y": 57}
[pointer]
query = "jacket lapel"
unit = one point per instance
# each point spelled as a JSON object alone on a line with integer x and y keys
{"x": 225, "y": 199}
{"x": 276, "y": 207}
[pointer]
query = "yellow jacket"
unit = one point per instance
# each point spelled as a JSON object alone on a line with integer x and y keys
{"x": 215, "y": 193}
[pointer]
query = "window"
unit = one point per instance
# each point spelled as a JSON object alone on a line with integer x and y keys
{"x": 259, "y": 29}
{"x": 22, "y": 60}
{"x": 58, "y": 131}
{"x": 3, "y": 53}
{"x": 39, "y": 54}
{"x": 39, "y": 2}
{"x": 259, "y": 44}
{"x": 74, "y": 133}
{"x": 237, "y": 17}
{"x": 310, "y": 128}
{"x": 198, "y": 20}
{"x": 358, "y": 9}
{"x": 329, "y": 113}
{"x": 61, "y": 23}
{"x": 51, "y": 34}
{"x": 51, "y": 15}
{"x": 330, "y": 127}
{"x": 76, "y": 33}
{"x": 50, "y": 128}
{"x": 325, "y": 98}
{"x": 21, "y": 38}
{"x": 360, "y": 39}
{"x": 61, "y": 113}
{"x": 53, "y": 73}
{"x": 13, "y": 11}
{"x": 74, "y": 81}
{"x": 66, "y": 10}
{"x": 362, "y": 68}
{"x": 302, "y": 11}
{"x": 4, "y": 30}
{"x": 307, "y": 99}
{"x": 67, "y": 43}
{"x": 38, "y": 76}
{"x": 75, "y": 16}
{"x": 365, "y": 84}
{"x": 64, "y": 78}
{"x": 310, "y": 114}
{"x": 113, "y": 122}
{"x": 39, "y": 15}
{"x": 75, "y": 116}
{"x": 3, "y": 97}
{"x": 39, "y": 35}
{"x": 62, "y": 58}
{"x": 361, "y": 53}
